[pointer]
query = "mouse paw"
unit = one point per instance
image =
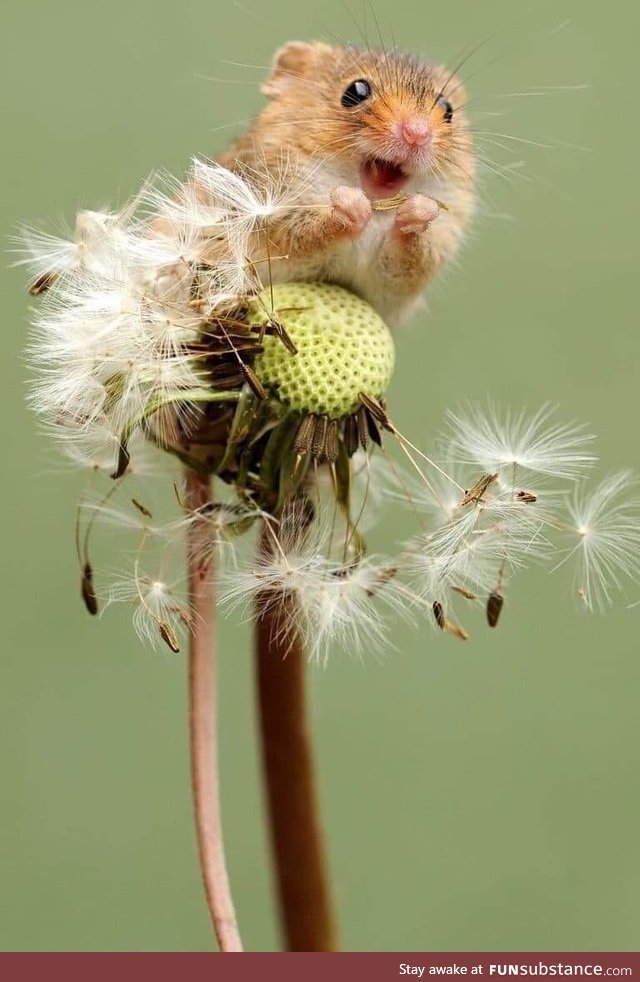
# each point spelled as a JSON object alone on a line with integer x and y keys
{"x": 351, "y": 209}
{"x": 416, "y": 214}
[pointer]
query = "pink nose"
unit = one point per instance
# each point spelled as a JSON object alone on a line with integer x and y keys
{"x": 416, "y": 132}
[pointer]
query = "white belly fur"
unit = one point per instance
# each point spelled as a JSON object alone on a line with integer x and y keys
{"x": 354, "y": 263}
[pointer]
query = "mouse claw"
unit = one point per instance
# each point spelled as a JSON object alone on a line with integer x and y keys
{"x": 351, "y": 209}
{"x": 416, "y": 214}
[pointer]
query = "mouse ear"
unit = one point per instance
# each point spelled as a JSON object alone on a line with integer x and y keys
{"x": 294, "y": 60}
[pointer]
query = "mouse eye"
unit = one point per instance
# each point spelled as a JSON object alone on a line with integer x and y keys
{"x": 359, "y": 91}
{"x": 447, "y": 108}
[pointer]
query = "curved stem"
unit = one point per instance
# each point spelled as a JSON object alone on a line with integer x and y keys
{"x": 296, "y": 836}
{"x": 203, "y": 722}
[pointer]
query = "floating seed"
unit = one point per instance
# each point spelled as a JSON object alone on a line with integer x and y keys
{"x": 456, "y": 630}
{"x": 383, "y": 577}
{"x": 445, "y": 624}
{"x": 438, "y": 613}
{"x": 88, "y": 591}
{"x": 527, "y": 497}
{"x": 495, "y": 604}
{"x": 42, "y": 284}
{"x": 467, "y": 594}
{"x": 476, "y": 493}
{"x": 168, "y": 635}
{"x": 141, "y": 508}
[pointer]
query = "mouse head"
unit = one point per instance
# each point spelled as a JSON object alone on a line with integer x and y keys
{"x": 393, "y": 115}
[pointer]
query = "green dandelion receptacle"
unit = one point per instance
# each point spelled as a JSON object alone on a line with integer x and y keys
{"x": 343, "y": 349}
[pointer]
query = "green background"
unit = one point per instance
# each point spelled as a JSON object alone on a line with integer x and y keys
{"x": 477, "y": 797}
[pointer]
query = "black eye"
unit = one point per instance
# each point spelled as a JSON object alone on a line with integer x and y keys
{"x": 359, "y": 91}
{"x": 447, "y": 108}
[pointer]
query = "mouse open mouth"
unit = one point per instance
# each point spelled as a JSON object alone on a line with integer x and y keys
{"x": 381, "y": 179}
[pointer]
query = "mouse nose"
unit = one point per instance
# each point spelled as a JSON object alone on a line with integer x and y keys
{"x": 415, "y": 132}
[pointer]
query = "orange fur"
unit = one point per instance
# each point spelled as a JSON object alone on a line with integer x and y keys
{"x": 390, "y": 259}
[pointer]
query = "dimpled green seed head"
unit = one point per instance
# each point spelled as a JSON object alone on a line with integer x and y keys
{"x": 344, "y": 348}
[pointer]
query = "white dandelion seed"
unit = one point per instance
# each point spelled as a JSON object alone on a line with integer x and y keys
{"x": 96, "y": 447}
{"x": 224, "y": 523}
{"x": 171, "y": 201}
{"x": 534, "y": 442}
{"x": 274, "y": 575}
{"x": 166, "y": 244}
{"x": 435, "y": 567}
{"x": 327, "y": 602}
{"x": 44, "y": 253}
{"x": 478, "y": 536}
{"x": 104, "y": 351}
{"x": 245, "y": 200}
{"x": 350, "y": 609}
{"x": 136, "y": 517}
{"x": 436, "y": 499}
{"x": 118, "y": 335}
{"x": 477, "y": 548}
{"x": 228, "y": 276}
{"x": 607, "y": 525}
{"x": 97, "y": 244}
{"x": 160, "y": 614}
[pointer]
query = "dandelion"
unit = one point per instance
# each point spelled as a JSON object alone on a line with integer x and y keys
{"x": 161, "y": 338}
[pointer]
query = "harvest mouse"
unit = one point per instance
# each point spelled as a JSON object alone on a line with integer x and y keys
{"x": 363, "y": 129}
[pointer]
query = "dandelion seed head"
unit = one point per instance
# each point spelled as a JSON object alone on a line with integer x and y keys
{"x": 344, "y": 349}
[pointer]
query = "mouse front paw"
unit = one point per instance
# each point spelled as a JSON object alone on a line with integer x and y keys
{"x": 351, "y": 210}
{"x": 415, "y": 215}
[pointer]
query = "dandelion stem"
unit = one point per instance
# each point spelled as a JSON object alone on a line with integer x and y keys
{"x": 202, "y": 723}
{"x": 302, "y": 882}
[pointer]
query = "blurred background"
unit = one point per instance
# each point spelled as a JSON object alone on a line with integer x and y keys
{"x": 478, "y": 796}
